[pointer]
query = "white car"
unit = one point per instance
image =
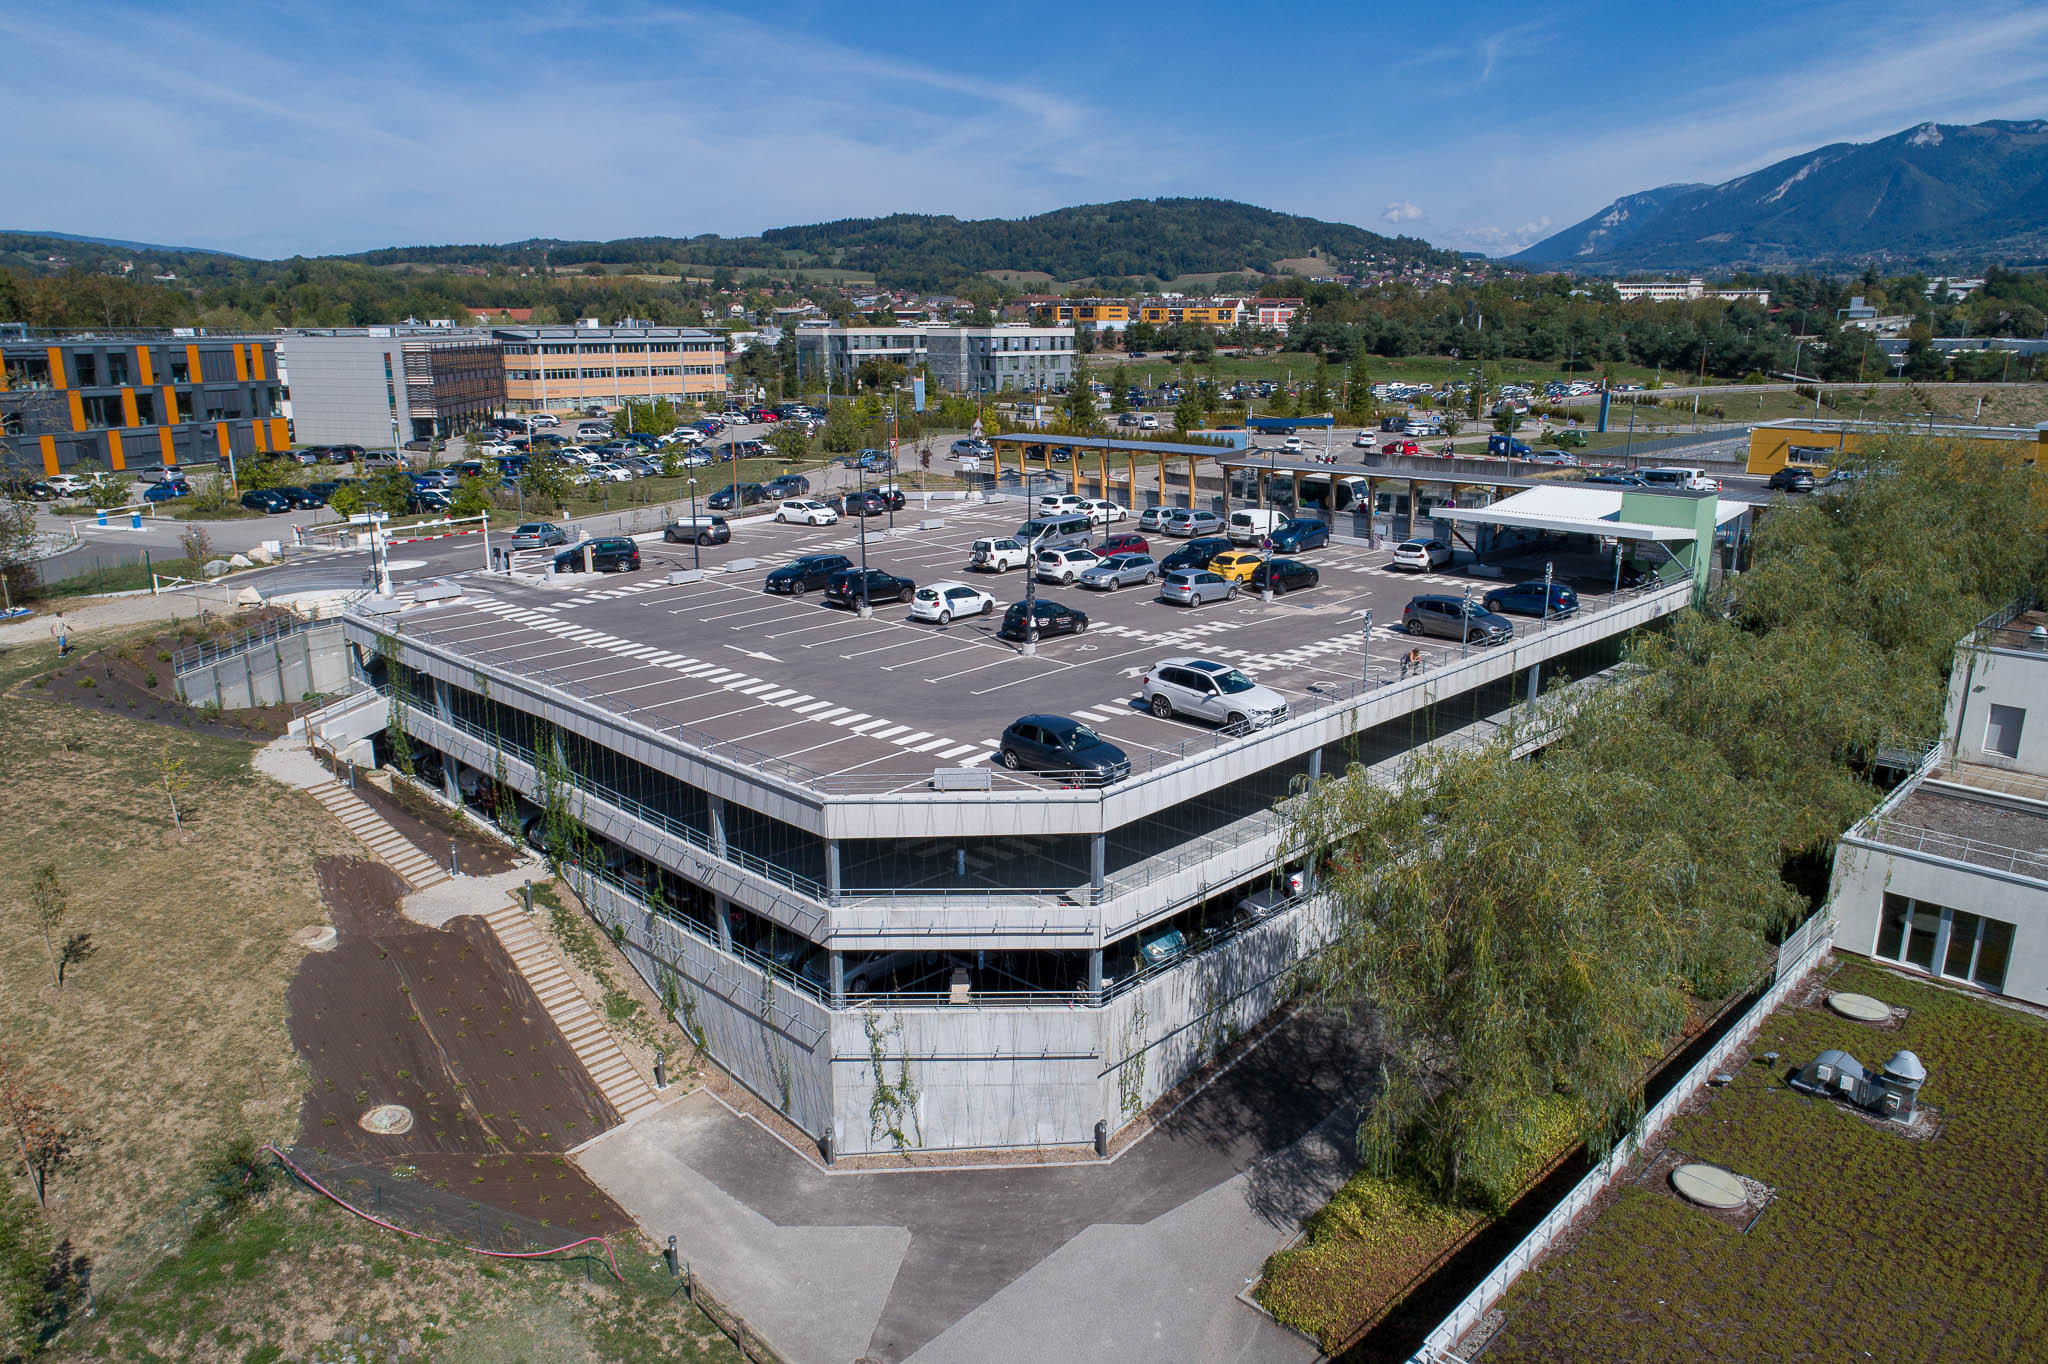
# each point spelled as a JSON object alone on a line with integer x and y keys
{"x": 1147, "y": 422}
{"x": 1420, "y": 555}
{"x": 998, "y": 555}
{"x": 1055, "y": 503}
{"x": 1102, "y": 511}
{"x": 543, "y": 419}
{"x": 1293, "y": 445}
{"x": 1064, "y": 566}
{"x": 1208, "y": 690}
{"x": 1365, "y": 440}
{"x": 941, "y": 601}
{"x": 683, "y": 435}
{"x": 803, "y": 511}
{"x": 612, "y": 473}
{"x": 69, "y": 485}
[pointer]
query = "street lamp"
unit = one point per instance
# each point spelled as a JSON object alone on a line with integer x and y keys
{"x": 1543, "y": 616}
{"x": 1465, "y": 625}
{"x": 696, "y": 532}
{"x": 1365, "y": 649}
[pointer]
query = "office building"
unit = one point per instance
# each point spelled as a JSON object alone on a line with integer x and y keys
{"x": 1082, "y": 314}
{"x": 1023, "y": 359}
{"x": 388, "y": 386}
{"x": 568, "y": 367}
{"x": 1949, "y": 875}
{"x": 1690, "y": 291}
{"x": 122, "y": 400}
{"x": 1221, "y": 313}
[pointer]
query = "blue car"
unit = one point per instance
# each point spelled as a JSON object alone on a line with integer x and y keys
{"x": 1300, "y": 533}
{"x": 169, "y": 490}
{"x": 1526, "y": 599}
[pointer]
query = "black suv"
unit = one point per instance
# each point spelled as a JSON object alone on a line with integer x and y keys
{"x": 750, "y": 493}
{"x": 304, "y": 499}
{"x": 846, "y": 587}
{"x": 613, "y": 554}
{"x": 1792, "y": 479}
{"x": 266, "y": 500}
{"x": 1195, "y": 553}
{"x": 813, "y": 570}
{"x": 1053, "y": 619}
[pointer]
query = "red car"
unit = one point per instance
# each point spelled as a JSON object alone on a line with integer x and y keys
{"x": 1123, "y": 544}
{"x": 1400, "y": 447}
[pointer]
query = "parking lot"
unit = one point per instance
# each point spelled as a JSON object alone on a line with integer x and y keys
{"x": 856, "y": 703}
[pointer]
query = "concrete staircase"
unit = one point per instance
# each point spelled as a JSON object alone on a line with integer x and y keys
{"x": 622, "y": 1086}
{"x": 385, "y": 843}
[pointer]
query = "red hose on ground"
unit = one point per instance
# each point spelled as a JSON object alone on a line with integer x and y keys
{"x": 439, "y": 1241}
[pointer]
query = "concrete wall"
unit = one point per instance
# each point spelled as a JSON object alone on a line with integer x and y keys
{"x": 339, "y": 390}
{"x": 1985, "y": 677}
{"x": 312, "y": 662}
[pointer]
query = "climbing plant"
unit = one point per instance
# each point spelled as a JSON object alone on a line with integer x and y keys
{"x": 400, "y": 678}
{"x": 1130, "y": 1074}
{"x": 892, "y": 1111}
{"x": 504, "y": 804}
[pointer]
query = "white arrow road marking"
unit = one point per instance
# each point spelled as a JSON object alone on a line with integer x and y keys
{"x": 750, "y": 653}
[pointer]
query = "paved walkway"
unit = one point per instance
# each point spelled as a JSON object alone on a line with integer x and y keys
{"x": 1135, "y": 1260}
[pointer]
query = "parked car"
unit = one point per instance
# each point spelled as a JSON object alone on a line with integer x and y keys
{"x": 1400, "y": 446}
{"x": 971, "y": 448}
{"x": 1189, "y": 521}
{"x": 1282, "y": 576}
{"x": 70, "y": 485}
{"x": 891, "y": 495}
{"x": 1564, "y": 458}
{"x": 170, "y": 490}
{"x": 1056, "y": 743}
{"x": 539, "y": 535}
{"x": 1508, "y": 447}
{"x": 1124, "y": 544}
{"x": 788, "y": 485}
{"x": 1615, "y": 480}
{"x": 1457, "y": 618}
{"x": 749, "y": 495}
{"x": 1568, "y": 439}
{"x": 1365, "y": 440}
{"x": 303, "y": 499}
{"x": 1102, "y": 511}
{"x": 941, "y": 601}
{"x": 266, "y": 500}
{"x": 1195, "y": 586}
{"x": 1208, "y": 690}
{"x": 803, "y": 511}
{"x": 1236, "y": 564}
{"x": 704, "y": 530}
{"x": 998, "y": 555}
{"x": 1063, "y": 566}
{"x": 1299, "y": 534}
{"x": 1121, "y": 570}
{"x": 1250, "y": 525}
{"x": 1052, "y": 619}
{"x": 799, "y": 576}
{"x": 425, "y": 500}
{"x": 1153, "y": 518}
{"x": 1052, "y": 504}
{"x": 1194, "y": 554}
{"x": 1528, "y": 599}
{"x": 851, "y": 586}
{"x": 858, "y": 504}
{"x": 1792, "y": 479}
{"x": 610, "y": 554}
{"x": 1420, "y": 555}
{"x": 34, "y": 489}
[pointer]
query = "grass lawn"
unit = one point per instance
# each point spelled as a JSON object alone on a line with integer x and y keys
{"x": 172, "y": 1035}
{"x": 297, "y": 1278}
{"x": 1911, "y": 1249}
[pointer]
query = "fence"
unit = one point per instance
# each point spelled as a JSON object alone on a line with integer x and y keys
{"x": 1796, "y": 957}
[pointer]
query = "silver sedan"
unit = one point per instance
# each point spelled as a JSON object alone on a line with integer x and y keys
{"x": 1121, "y": 570}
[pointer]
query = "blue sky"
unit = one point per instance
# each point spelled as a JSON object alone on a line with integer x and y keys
{"x": 274, "y": 128}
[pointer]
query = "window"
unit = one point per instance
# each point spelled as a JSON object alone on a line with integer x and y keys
{"x": 184, "y": 404}
{"x": 85, "y": 365}
{"x": 181, "y": 369}
{"x": 104, "y": 410}
{"x": 1968, "y": 946}
{"x": 117, "y": 367}
{"x": 2002, "y": 730}
{"x": 145, "y": 407}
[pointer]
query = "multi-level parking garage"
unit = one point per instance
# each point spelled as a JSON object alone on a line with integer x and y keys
{"x": 789, "y": 816}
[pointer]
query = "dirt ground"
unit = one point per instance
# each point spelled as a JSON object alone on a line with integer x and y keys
{"x": 430, "y": 827}
{"x": 440, "y": 1021}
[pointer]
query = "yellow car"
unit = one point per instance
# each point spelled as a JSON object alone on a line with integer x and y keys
{"x": 1236, "y": 564}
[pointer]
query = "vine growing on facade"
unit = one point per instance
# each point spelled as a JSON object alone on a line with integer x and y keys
{"x": 892, "y": 1110}
{"x": 504, "y": 804}
{"x": 1130, "y": 1076}
{"x": 400, "y": 678}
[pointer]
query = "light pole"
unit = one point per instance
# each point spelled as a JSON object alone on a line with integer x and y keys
{"x": 1617, "y": 568}
{"x": 696, "y": 538}
{"x": 1543, "y": 616}
{"x": 1365, "y": 649}
{"x": 1465, "y": 625}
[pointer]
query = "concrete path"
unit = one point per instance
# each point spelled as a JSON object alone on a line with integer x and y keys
{"x": 1135, "y": 1260}
{"x": 588, "y": 1036}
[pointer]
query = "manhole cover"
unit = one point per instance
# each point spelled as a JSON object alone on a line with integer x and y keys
{"x": 387, "y": 1120}
{"x": 316, "y": 938}
{"x": 1710, "y": 1186}
{"x": 1862, "y": 1008}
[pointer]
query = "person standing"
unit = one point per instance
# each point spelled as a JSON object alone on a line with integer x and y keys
{"x": 60, "y": 630}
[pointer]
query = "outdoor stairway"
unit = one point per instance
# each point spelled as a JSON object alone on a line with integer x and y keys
{"x": 622, "y": 1086}
{"x": 385, "y": 843}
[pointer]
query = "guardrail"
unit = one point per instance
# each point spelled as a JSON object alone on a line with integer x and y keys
{"x": 1958, "y": 847}
{"x": 199, "y": 655}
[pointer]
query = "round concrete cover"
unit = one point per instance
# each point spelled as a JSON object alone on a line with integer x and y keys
{"x": 1710, "y": 1186}
{"x": 1862, "y": 1008}
{"x": 387, "y": 1120}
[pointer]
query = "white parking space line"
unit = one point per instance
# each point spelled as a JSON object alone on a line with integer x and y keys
{"x": 802, "y": 630}
{"x": 890, "y": 732}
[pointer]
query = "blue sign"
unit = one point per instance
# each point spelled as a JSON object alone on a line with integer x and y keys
{"x": 917, "y": 395}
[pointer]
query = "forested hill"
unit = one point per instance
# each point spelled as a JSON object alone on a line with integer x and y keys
{"x": 1133, "y": 238}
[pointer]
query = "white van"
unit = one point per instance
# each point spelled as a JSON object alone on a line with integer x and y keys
{"x": 1252, "y": 525}
{"x": 1689, "y": 477}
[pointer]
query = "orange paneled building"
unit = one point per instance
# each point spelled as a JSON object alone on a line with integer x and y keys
{"x": 126, "y": 400}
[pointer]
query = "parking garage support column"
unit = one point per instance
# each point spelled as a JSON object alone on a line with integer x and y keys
{"x": 450, "y": 787}
{"x": 716, "y": 806}
{"x": 1295, "y": 510}
{"x": 1098, "y": 863}
{"x": 835, "y": 977}
{"x": 1102, "y": 470}
{"x": 721, "y": 910}
{"x": 1095, "y": 973}
{"x": 1535, "y": 683}
{"x": 1131, "y": 479}
{"x": 1315, "y": 766}
{"x": 832, "y": 871}
{"x": 1162, "y": 478}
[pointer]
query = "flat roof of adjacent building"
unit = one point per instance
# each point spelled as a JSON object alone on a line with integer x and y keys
{"x": 1584, "y": 511}
{"x": 1984, "y": 830}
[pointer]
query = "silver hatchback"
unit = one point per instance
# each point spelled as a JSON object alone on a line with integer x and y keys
{"x": 1121, "y": 570}
{"x": 1196, "y": 586}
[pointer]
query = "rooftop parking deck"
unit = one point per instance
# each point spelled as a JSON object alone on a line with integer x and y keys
{"x": 827, "y": 700}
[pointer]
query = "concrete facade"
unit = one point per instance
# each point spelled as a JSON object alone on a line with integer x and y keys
{"x": 276, "y": 671}
{"x": 385, "y": 386}
{"x": 1949, "y": 875}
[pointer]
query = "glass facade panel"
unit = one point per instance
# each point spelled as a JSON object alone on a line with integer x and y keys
{"x": 1993, "y": 952}
{"x": 1891, "y": 933}
{"x": 1920, "y": 935}
{"x": 1962, "y": 944}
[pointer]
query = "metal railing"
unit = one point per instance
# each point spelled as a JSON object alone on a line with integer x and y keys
{"x": 513, "y": 669}
{"x": 199, "y": 655}
{"x": 1996, "y": 631}
{"x": 1958, "y": 847}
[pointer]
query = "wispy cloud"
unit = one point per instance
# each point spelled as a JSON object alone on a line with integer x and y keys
{"x": 1401, "y": 211}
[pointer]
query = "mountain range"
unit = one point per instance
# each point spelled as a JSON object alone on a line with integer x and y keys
{"x": 1933, "y": 194}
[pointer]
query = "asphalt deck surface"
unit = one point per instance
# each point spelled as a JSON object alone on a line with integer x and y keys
{"x": 1135, "y": 1259}
{"x": 879, "y": 703}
